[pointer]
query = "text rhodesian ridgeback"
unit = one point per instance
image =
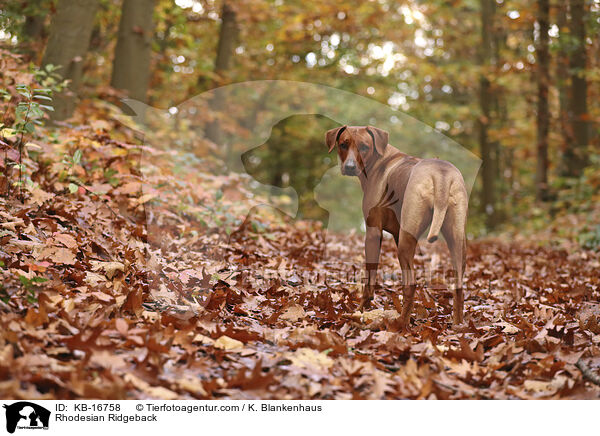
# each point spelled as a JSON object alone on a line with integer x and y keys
{"x": 403, "y": 195}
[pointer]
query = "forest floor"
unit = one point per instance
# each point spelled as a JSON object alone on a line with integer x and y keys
{"x": 94, "y": 305}
{"x": 120, "y": 283}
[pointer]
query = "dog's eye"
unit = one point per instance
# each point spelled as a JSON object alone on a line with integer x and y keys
{"x": 344, "y": 145}
{"x": 364, "y": 148}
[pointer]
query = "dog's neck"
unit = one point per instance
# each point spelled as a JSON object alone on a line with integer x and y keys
{"x": 377, "y": 162}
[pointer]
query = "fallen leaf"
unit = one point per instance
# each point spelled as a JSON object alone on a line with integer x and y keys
{"x": 227, "y": 343}
{"x": 293, "y": 313}
{"x": 109, "y": 268}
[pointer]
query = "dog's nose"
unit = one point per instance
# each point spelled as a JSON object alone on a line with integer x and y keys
{"x": 350, "y": 168}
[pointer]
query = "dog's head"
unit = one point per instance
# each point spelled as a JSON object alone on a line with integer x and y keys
{"x": 358, "y": 147}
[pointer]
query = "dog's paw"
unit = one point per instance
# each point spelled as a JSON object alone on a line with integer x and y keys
{"x": 365, "y": 304}
{"x": 405, "y": 328}
{"x": 461, "y": 327}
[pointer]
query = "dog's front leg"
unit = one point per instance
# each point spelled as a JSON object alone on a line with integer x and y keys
{"x": 372, "y": 250}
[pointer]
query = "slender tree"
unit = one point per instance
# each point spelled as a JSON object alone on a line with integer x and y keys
{"x": 225, "y": 50}
{"x": 131, "y": 65}
{"x": 575, "y": 155}
{"x": 488, "y": 172}
{"x": 562, "y": 78}
{"x": 543, "y": 112}
{"x": 67, "y": 44}
{"x": 34, "y": 26}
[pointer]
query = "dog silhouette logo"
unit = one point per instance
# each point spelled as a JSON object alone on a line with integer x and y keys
{"x": 26, "y": 415}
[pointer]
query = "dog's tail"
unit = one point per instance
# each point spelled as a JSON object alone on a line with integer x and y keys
{"x": 440, "y": 205}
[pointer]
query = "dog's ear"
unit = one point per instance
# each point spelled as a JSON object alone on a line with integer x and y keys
{"x": 380, "y": 138}
{"x": 332, "y": 136}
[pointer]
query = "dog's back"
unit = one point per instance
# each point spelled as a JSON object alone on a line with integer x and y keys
{"x": 434, "y": 187}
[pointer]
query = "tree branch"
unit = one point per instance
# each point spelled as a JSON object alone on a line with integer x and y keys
{"x": 587, "y": 372}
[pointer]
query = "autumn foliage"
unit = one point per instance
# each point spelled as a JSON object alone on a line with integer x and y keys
{"x": 95, "y": 305}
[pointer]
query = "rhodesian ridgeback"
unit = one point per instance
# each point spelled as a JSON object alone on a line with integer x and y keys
{"x": 403, "y": 195}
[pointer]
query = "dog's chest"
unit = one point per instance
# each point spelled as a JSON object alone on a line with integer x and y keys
{"x": 384, "y": 193}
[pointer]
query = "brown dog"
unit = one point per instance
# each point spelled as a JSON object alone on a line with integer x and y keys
{"x": 403, "y": 195}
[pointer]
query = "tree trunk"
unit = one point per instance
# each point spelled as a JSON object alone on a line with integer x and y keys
{"x": 225, "y": 50}
{"x": 227, "y": 40}
{"x": 33, "y": 28}
{"x": 562, "y": 80}
{"x": 131, "y": 65}
{"x": 575, "y": 157}
{"x": 35, "y": 12}
{"x": 543, "y": 113}
{"x": 488, "y": 194}
{"x": 67, "y": 44}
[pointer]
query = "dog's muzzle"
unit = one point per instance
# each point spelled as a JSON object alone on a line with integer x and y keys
{"x": 350, "y": 169}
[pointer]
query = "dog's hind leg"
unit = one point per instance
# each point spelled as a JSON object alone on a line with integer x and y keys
{"x": 406, "y": 252}
{"x": 454, "y": 233}
{"x": 415, "y": 217}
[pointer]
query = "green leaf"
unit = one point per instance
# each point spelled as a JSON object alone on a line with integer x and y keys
{"x": 51, "y": 67}
{"x": 20, "y": 110}
{"x": 25, "y": 93}
{"x": 36, "y": 112}
{"x": 4, "y": 295}
{"x": 17, "y": 166}
{"x": 77, "y": 157}
{"x": 42, "y": 97}
{"x": 73, "y": 188}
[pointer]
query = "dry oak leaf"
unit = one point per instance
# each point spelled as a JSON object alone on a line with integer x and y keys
{"x": 157, "y": 392}
{"x": 12, "y": 225}
{"x": 546, "y": 387}
{"x": 105, "y": 298}
{"x": 130, "y": 188}
{"x": 507, "y": 327}
{"x": 192, "y": 385}
{"x": 307, "y": 357}
{"x": 293, "y": 313}
{"x": 203, "y": 339}
{"x": 121, "y": 326}
{"x": 30, "y": 361}
{"x": 227, "y": 343}
{"x": 377, "y": 319}
{"x": 382, "y": 384}
{"x": 109, "y": 360}
{"x": 6, "y": 356}
{"x": 39, "y": 196}
{"x": 145, "y": 198}
{"x": 65, "y": 239}
{"x": 377, "y": 315}
{"x": 94, "y": 279}
{"x": 109, "y": 268}
{"x": 58, "y": 255}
